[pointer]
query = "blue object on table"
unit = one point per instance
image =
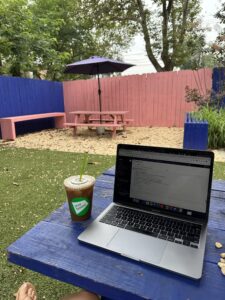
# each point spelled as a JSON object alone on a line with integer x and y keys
{"x": 195, "y": 134}
{"x": 51, "y": 248}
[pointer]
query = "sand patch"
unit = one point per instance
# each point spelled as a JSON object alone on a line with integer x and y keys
{"x": 88, "y": 140}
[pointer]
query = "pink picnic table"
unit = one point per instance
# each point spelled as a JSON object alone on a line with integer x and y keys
{"x": 112, "y": 119}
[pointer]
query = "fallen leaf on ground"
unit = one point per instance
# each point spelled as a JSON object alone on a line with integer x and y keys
{"x": 220, "y": 264}
{"x": 218, "y": 245}
{"x": 93, "y": 163}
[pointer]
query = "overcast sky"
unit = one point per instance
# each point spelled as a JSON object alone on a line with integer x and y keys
{"x": 136, "y": 54}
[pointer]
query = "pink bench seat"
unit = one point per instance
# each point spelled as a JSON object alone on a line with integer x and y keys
{"x": 8, "y": 124}
{"x": 90, "y": 125}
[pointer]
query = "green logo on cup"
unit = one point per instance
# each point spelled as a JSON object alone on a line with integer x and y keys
{"x": 80, "y": 206}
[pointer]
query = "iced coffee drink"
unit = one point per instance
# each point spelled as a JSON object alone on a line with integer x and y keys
{"x": 79, "y": 194}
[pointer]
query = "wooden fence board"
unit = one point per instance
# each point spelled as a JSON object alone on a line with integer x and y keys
{"x": 156, "y": 99}
{"x": 23, "y": 96}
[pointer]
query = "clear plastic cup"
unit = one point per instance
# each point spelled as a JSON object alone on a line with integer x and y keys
{"x": 79, "y": 195}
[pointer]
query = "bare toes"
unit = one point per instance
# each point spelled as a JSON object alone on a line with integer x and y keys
{"x": 22, "y": 291}
{"x": 26, "y": 292}
{"x": 29, "y": 293}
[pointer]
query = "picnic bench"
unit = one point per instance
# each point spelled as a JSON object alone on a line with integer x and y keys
{"x": 51, "y": 248}
{"x": 8, "y": 124}
{"x": 94, "y": 119}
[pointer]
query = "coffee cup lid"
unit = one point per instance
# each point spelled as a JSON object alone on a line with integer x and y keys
{"x": 74, "y": 182}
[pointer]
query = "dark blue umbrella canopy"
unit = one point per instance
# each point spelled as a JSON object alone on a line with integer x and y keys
{"x": 96, "y": 65}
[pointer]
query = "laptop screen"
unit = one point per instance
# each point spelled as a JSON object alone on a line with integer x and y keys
{"x": 171, "y": 180}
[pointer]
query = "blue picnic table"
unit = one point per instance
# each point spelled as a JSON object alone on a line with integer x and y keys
{"x": 51, "y": 248}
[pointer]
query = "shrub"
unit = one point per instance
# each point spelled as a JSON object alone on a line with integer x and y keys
{"x": 211, "y": 108}
{"x": 216, "y": 121}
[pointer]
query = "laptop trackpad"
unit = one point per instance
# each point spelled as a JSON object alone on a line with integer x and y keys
{"x": 138, "y": 246}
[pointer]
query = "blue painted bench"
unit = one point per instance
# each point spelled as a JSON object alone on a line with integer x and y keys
{"x": 55, "y": 251}
{"x": 195, "y": 134}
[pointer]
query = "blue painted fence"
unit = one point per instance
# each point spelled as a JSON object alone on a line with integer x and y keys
{"x": 23, "y": 96}
{"x": 195, "y": 134}
{"x": 218, "y": 84}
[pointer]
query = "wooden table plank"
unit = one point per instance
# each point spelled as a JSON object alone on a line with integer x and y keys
{"x": 62, "y": 217}
{"x": 105, "y": 181}
{"x": 103, "y": 197}
{"x": 217, "y": 213}
{"x": 218, "y": 185}
{"x": 52, "y": 248}
{"x": 218, "y": 194}
{"x": 110, "y": 171}
{"x": 55, "y": 251}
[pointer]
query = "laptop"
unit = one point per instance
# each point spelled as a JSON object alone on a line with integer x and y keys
{"x": 160, "y": 208}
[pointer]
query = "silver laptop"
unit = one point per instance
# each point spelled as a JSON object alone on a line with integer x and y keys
{"x": 160, "y": 208}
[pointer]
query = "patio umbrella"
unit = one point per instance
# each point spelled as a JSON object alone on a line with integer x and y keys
{"x": 96, "y": 65}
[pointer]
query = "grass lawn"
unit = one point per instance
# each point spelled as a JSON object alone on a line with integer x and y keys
{"x": 31, "y": 186}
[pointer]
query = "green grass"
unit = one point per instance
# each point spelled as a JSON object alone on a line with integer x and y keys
{"x": 219, "y": 170}
{"x": 31, "y": 187}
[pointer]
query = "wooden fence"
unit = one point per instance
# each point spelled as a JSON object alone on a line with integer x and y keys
{"x": 23, "y": 96}
{"x": 156, "y": 99}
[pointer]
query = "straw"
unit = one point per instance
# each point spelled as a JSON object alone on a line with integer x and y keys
{"x": 83, "y": 164}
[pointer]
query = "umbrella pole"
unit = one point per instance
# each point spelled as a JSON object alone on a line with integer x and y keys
{"x": 99, "y": 97}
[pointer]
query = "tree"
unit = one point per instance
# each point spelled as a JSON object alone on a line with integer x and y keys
{"x": 46, "y": 35}
{"x": 218, "y": 48}
{"x": 201, "y": 57}
{"x": 170, "y": 28}
{"x": 66, "y": 35}
{"x": 15, "y": 36}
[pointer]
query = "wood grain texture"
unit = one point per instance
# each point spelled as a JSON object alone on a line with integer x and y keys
{"x": 52, "y": 248}
{"x": 156, "y": 99}
{"x": 8, "y": 124}
{"x": 23, "y": 96}
{"x": 110, "y": 171}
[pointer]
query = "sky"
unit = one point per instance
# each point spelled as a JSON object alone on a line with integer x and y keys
{"x": 136, "y": 54}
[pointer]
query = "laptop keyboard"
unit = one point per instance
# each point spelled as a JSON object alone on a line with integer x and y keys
{"x": 165, "y": 228}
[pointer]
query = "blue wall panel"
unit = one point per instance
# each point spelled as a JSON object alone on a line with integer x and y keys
{"x": 218, "y": 83}
{"x": 22, "y": 96}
